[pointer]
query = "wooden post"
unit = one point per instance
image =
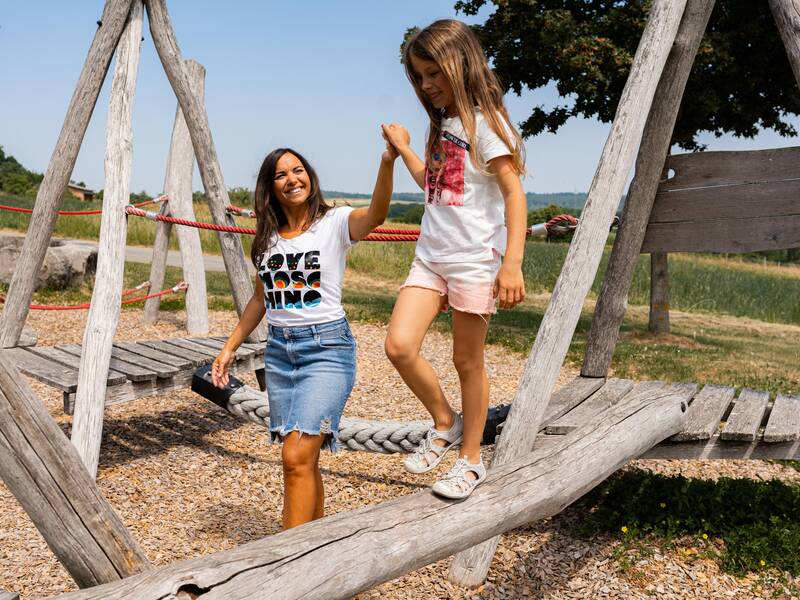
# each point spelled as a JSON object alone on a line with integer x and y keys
{"x": 51, "y": 189}
{"x": 101, "y": 323}
{"x": 659, "y": 293}
{"x": 178, "y": 186}
{"x": 207, "y": 161}
{"x": 612, "y": 301}
{"x": 347, "y": 553}
{"x": 45, "y": 474}
{"x": 787, "y": 18}
{"x": 580, "y": 266}
{"x": 158, "y": 265}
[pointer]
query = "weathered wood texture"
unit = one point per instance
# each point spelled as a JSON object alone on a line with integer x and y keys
{"x": 45, "y": 370}
{"x": 178, "y": 186}
{"x": 705, "y": 412}
{"x": 158, "y": 266}
{"x": 728, "y": 202}
{"x": 787, "y": 18}
{"x": 659, "y": 293}
{"x": 207, "y": 161}
{"x": 612, "y": 302}
{"x": 607, "y": 396}
{"x": 8, "y": 596}
{"x": 65, "y": 358}
{"x": 326, "y": 558}
{"x": 103, "y": 317}
{"x": 784, "y": 420}
{"x": 62, "y": 161}
{"x": 583, "y": 258}
{"x": 45, "y": 474}
{"x": 746, "y": 416}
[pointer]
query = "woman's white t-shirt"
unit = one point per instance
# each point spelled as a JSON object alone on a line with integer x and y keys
{"x": 464, "y": 217}
{"x": 302, "y": 276}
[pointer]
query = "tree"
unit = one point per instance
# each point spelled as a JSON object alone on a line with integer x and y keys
{"x": 741, "y": 81}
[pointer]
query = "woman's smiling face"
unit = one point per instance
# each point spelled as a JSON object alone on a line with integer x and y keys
{"x": 292, "y": 184}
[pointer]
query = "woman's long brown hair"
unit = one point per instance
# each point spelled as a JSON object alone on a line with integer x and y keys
{"x": 269, "y": 213}
{"x": 453, "y": 46}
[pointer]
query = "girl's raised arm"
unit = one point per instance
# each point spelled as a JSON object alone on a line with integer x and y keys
{"x": 364, "y": 220}
{"x": 397, "y": 136}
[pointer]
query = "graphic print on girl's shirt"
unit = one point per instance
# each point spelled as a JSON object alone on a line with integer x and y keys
{"x": 291, "y": 280}
{"x": 444, "y": 183}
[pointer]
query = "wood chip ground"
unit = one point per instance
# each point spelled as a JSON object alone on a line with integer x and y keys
{"x": 188, "y": 479}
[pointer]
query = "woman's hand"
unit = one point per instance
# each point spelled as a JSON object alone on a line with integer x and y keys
{"x": 509, "y": 287}
{"x": 220, "y": 366}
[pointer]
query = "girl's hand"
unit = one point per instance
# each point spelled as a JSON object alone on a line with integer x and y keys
{"x": 390, "y": 154}
{"x": 396, "y": 136}
{"x": 509, "y": 287}
{"x": 220, "y": 366}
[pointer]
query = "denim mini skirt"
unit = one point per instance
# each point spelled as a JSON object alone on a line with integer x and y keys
{"x": 310, "y": 373}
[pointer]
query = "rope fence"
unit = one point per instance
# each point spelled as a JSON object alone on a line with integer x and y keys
{"x": 180, "y": 287}
{"x": 162, "y": 198}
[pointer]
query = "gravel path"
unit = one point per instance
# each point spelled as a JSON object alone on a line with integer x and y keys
{"x": 188, "y": 479}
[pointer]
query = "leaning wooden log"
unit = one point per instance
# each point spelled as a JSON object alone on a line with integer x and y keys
{"x": 45, "y": 474}
{"x": 612, "y": 302}
{"x": 178, "y": 186}
{"x": 787, "y": 18}
{"x": 350, "y": 552}
{"x": 582, "y": 261}
{"x": 101, "y": 323}
{"x": 8, "y": 596}
{"x": 62, "y": 161}
{"x": 659, "y": 293}
{"x": 207, "y": 161}
{"x": 158, "y": 266}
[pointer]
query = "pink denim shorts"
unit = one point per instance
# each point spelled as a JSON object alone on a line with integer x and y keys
{"x": 466, "y": 287}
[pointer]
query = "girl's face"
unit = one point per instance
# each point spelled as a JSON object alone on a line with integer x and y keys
{"x": 434, "y": 84}
{"x": 292, "y": 184}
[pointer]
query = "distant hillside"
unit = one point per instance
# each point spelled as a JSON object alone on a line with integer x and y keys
{"x": 16, "y": 179}
{"x": 566, "y": 199}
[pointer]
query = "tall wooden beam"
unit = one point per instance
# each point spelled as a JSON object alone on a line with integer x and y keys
{"x": 583, "y": 258}
{"x": 787, "y": 18}
{"x": 347, "y": 553}
{"x": 207, "y": 160}
{"x": 101, "y": 323}
{"x": 45, "y": 474}
{"x": 51, "y": 189}
{"x": 659, "y": 293}
{"x": 158, "y": 265}
{"x": 613, "y": 299}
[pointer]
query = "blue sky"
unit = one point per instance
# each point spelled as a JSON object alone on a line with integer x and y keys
{"x": 313, "y": 75}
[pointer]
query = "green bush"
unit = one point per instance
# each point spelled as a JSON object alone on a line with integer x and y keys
{"x": 406, "y": 213}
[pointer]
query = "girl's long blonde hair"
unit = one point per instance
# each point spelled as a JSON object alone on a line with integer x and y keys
{"x": 454, "y": 48}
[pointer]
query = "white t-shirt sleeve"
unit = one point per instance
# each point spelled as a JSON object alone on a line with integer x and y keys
{"x": 490, "y": 145}
{"x": 341, "y": 225}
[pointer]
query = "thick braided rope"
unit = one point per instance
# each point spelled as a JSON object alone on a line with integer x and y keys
{"x": 384, "y": 437}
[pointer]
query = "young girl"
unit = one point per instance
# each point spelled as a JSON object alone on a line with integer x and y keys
{"x": 299, "y": 252}
{"x": 471, "y": 177}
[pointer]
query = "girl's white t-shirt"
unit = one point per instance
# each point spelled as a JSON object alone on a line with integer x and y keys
{"x": 464, "y": 217}
{"x": 302, "y": 276}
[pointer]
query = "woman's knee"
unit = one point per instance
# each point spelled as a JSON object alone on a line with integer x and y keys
{"x": 298, "y": 460}
{"x": 400, "y": 351}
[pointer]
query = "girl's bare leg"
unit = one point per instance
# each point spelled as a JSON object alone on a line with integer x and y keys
{"x": 469, "y": 338}
{"x": 319, "y": 510}
{"x": 413, "y": 313}
{"x": 302, "y": 482}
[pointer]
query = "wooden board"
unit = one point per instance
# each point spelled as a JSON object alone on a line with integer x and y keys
{"x": 195, "y": 358}
{"x": 569, "y": 396}
{"x": 706, "y": 169}
{"x": 603, "y": 399}
{"x": 59, "y": 356}
{"x": 52, "y": 373}
{"x": 131, "y": 371}
{"x": 724, "y": 235}
{"x": 216, "y": 346}
{"x": 168, "y": 358}
{"x": 745, "y": 418}
{"x": 8, "y": 596}
{"x": 159, "y": 368}
{"x": 743, "y": 201}
{"x": 705, "y": 412}
{"x": 784, "y": 420}
{"x": 191, "y": 346}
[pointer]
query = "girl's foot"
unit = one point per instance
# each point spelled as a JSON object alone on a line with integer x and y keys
{"x": 460, "y": 480}
{"x": 434, "y": 446}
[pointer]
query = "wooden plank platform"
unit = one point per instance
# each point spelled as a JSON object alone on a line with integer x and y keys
{"x": 137, "y": 369}
{"x": 718, "y": 425}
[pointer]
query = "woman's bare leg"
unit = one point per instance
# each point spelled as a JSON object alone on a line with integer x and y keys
{"x": 302, "y": 483}
{"x": 469, "y": 338}
{"x": 413, "y": 313}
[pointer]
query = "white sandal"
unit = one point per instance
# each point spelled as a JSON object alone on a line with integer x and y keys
{"x": 428, "y": 455}
{"x": 457, "y": 484}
